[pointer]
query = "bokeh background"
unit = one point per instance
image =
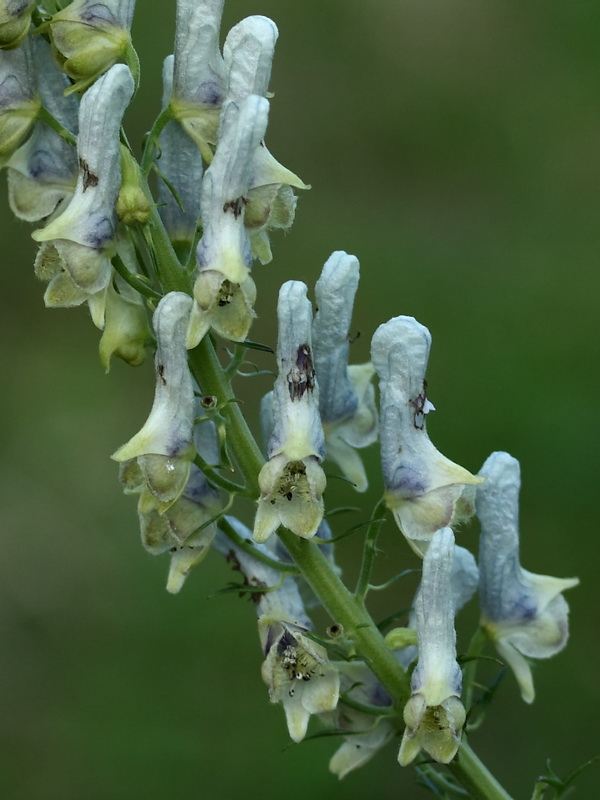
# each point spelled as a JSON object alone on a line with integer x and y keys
{"x": 455, "y": 148}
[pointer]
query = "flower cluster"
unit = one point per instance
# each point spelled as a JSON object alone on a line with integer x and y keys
{"x": 170, "y": 269}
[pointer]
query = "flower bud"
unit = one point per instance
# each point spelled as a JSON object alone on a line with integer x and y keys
{"x": 15, "y": 21}
{"x": 126, "y": 332}
{"x": 90, "y": 37}
{"x": 19, "y": 101}
{"x": 132, "y": 206}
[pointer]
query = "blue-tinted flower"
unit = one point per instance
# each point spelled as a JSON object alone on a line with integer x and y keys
{"x": 270, "y": 201}
{"x": 79, "y": 244}
{"x": 524, "y": 614}
{"x": 296, "y": 669}
{"x": 346, "y": 395}
{"x": 164, "y": 446}
{"x": 424, "y": 489}
{"x": 19, "y": 98}
{"x": 292, "y": 480}
{"x": 434, "y": 714}
{"x": 43, "y": 172}
{"x": 180, "y": 163}
{"x": 89, "y": 37}
{"x": 199, "y": 81}
{"x": 224, "y": 291}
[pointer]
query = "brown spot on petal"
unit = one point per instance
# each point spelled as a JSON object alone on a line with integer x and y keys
{"x": 89, "y": 179}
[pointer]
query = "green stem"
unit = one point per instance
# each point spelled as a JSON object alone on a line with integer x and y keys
{"x": 248, "y": 547}
{"x": 152, "y": 140}
{"x": 45, "y": 116}
{"x": 369, "y": 550}
{"x": 476, "y": 645}
{"x": 475, "y": 776}
{"x": 214, "y": 477}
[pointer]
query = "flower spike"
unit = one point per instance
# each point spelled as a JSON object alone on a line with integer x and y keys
{"x": 424, "y": 489}
{"x": 164, "y": 446}
{"x": 524, "y": 614}
{"x": 292, "y": 481}
{"x": 346, "y": 395}
{"x": 434, "y": 715}
{"x": 79, "y": 244}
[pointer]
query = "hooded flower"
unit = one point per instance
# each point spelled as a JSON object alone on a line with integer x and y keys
{"x": 179, "y": 163}
{"x": 296, "y": 668}
{"x": 271, "y": 203}
{"x": 524, "y": 614}
{"x": 15, "y": 21}
{"x": 434, "y": 715}
{"x": 346, "y": 395}
{"x": 185, "y": 529}
{"x": 43, "y": 172}
{"x": 164, "y": 446}
{"x": 292, "y": 480}
{"x": 463, "y": 583}
{"x": 79, "y": 244}
{"x": 224, "y": 292}
{"x": 425, "y": 490}
{"x": 19, "y": 99}
{"x": 89, "y": 37}
{"x": 199, "y": 73}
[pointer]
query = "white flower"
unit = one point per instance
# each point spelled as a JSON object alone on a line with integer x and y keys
{"x": 296, "y": 668}
{"x": 79, "y": 244}
{"x": 224, "y": 255}
{"x": 524, "y": 614}
{"x": 271, "y": 203}
{"x": 42, "y": 173}
{"x": 346, "y": 395}
{"x": 164, "y": 446}
{"x": 292, "y": 481}
{"x": 424, "y": 489}
{"x": 434, "y": 715}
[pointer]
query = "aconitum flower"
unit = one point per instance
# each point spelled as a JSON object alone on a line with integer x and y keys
{"x": 15, "y": 21}
{"x": 296, "y": 669}
{"x": 90, "y": 37}
{"x": 346, "y": 395}
{"x": 180, "y": 163}
{"x": 19, "y": 99}
{"x": 424, "y": 489}
{"x": 43, "y": 172}
{"x": 434, "y": 714}
{"x": 164, "y": 446}
{"x": 77, "y": 246}
{"x": 292, "y": 480}
{"x": 270, "y": 201}
{"x": 199, "y": 81}
{"x": 524, "y": 614}
{"x": 224, "y": 292}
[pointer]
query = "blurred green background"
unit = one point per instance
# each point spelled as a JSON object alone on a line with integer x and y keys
{"x": 455, "y": 148}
